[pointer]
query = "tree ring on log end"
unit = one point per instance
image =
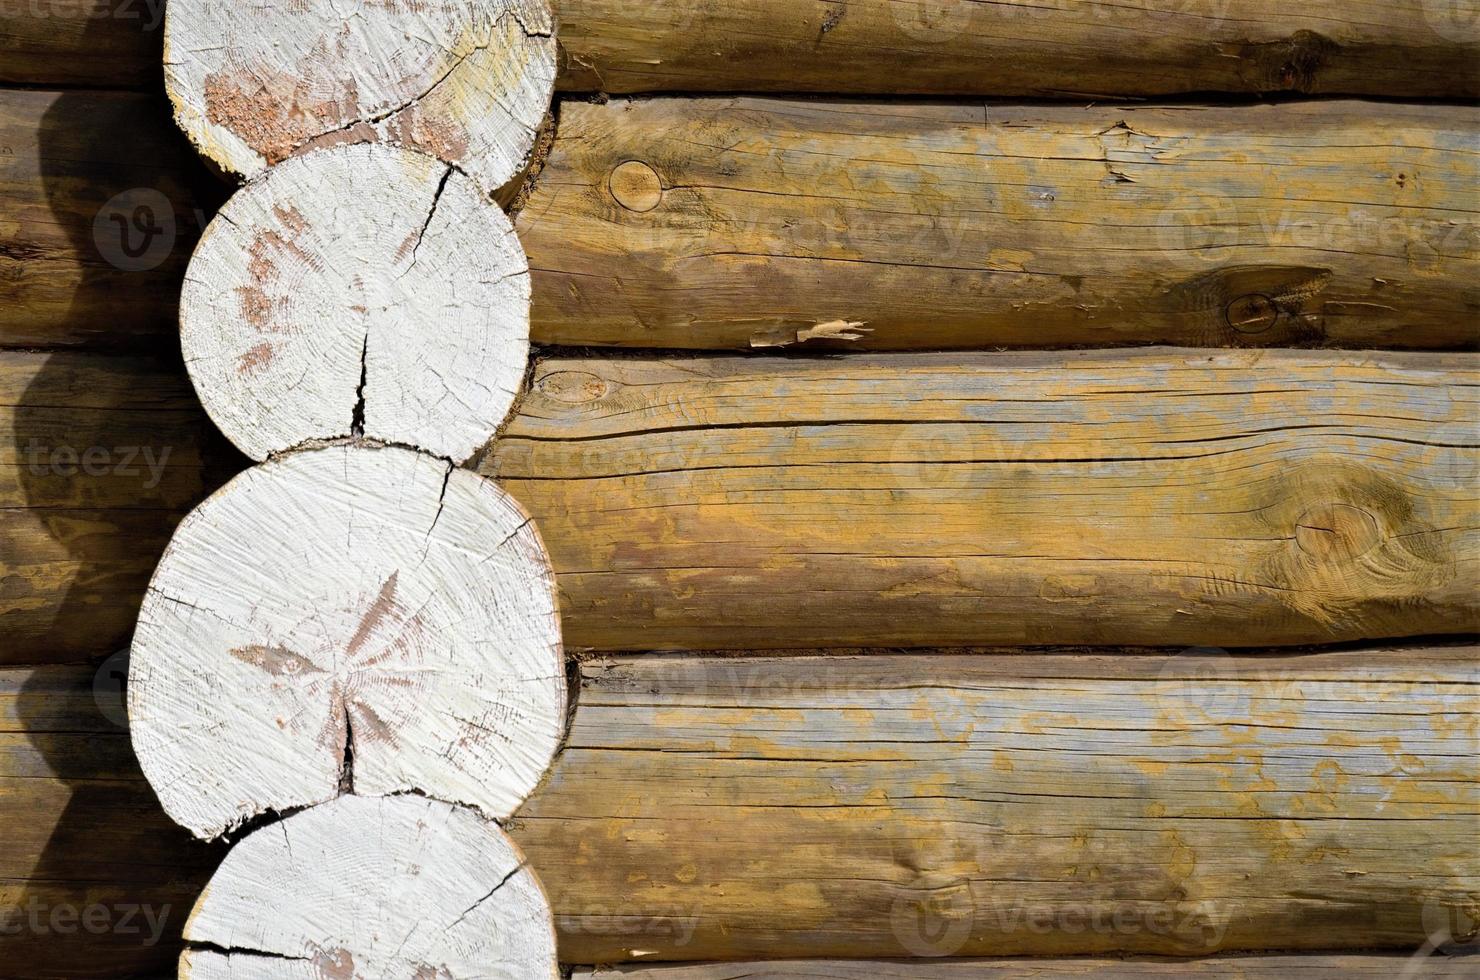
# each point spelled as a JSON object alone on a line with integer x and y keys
{"x": 394, "y": 887}
{"x": 347, "y": 619}
{"x": 358, "y": 290}
{"x": 469, "y": 82}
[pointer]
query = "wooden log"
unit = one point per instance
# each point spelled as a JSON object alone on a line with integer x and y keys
{"x": 400, "y": 887}
{"x": 465, "y": 81}
{"x": 81, "y": 43}
{"x": 713, "y": 808}
{"x": 734, "y": 223}
{"x": 1307, "y": 966}
{"x": 95, "y": 881}
{"x": 1083, "y": 49}
{"x": 347, "y": 619}
{"x": 1409, "y": 48}
{"x": 100, "y": 457}
{"x": 424, "y": 342}
{"x": 1156, "y": 497}
{"x": 102, "y": 203}
{"x": 1017, "y": 805}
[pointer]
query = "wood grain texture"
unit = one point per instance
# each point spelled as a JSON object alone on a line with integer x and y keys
{"x": 1022, "y": 47}
{"x": 95, "y": 881}
{"x": 1407, "y": 48}
{"x": 734, "y": 223}
{"x": 1012, "y": 805}
{"x": 90, "y": 43}
{"x": 100, "y": 457}
{"x": 1157, "y": 497}
{"x": 467, "y": 81}
{"x": 1309, "y": 966}
{"x": 360, "y": 290}
{"x": 364, "y": 889}
{"x": 100, "y": 205}
{"x": 865, "y": 804}
{"x": 347, "y": 619}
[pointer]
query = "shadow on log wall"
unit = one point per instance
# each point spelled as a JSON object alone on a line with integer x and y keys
{"x": 75, "y": 905}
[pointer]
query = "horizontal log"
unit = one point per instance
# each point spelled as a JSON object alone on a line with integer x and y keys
{"x": 735, "y": 223}
{"x": 1147, "y": 497}
{"x": 100, "y": 457}
{"x": 95, "y": 881}
{"x": 1307, "y": 966}
{"x": 884, "y": 806}
{"x": 1022, "y": 47}
{"x": 1406, "y": 48}
{"x": 101, "y": 200}
{"x": 706, "y": 808}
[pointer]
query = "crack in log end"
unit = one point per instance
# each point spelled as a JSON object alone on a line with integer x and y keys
{"x": 347, "y": 753}
{"x": 357, "y": 416}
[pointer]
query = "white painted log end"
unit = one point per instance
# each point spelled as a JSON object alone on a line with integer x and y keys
{"x": 347, "y": 619}
{"x": 467, "y": 81}
{"x": 371, "y": 889}
{"x": 360, "y": 290}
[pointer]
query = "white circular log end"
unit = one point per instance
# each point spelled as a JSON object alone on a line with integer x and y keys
{"x": 361, "y": 290}
{"x": 373, "y": 889}
{"x": 467, "y": 81}
{"x": 347, "y": 619}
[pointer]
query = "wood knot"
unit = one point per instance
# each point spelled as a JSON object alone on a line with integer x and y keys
{"x": 636, "y": 186}
{"x": 1254, "y": 313}
{"x": 572, "y": 387}
{"x": 1337, "y": 532}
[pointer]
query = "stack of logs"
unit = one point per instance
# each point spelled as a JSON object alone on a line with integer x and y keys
{"x": 976, "y": 604}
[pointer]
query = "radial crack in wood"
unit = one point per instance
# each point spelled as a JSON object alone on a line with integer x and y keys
{"x": 347, "y": 604}
{"x": 469, "y": 82}
{"x": 362, "y": 290}
{"x": 363, "y": 889}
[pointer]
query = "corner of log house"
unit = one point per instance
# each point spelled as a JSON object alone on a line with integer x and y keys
{"x": 1007, "y": 476}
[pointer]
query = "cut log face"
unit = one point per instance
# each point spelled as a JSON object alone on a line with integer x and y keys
{"x": 362, "y": 289}
{"x": 347, "y": 618}
{"x": 469, "y": 82}
{"x": 362, "y": 889}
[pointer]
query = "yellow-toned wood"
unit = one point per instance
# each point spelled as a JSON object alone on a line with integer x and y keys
{"x": 1015, "y": 805}
{"x": 1308, "y": 966}
{"x": 98, "y": 214}
{"x": 1080, "y": 49}
{"x": 881, "y": 806}
{"x": 736, "y": 223}
{"x": 1156, "y": 496}
{"x": 100, "y": 457}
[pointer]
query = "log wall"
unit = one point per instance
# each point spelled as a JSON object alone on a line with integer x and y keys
{"x": 871, "y": 805}
{"x": 933, "y": 47}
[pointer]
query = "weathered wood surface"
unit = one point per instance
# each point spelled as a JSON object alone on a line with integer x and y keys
{"x": 1307, "y": 966}
{"x": 347, "y": 618}
{"x": 97, "y": 43}
{"x": 1156, "y": 496}
{"x": 95, "y": 881}
{"x": 1021, "y": 47}
{"x": 100, "y": 457}
{"x": 706, "y": 808}
{"x": 864, "y": 805}
{"x": 99, "y": 209}
{"x": 367, "y": 888}
{"x": 1399, "y": 47}
{"x": 732, "y": 223}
